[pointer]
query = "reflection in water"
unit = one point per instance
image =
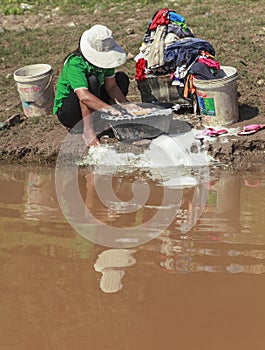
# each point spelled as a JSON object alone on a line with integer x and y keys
{"x": 202, "y": 228}
{"x": 40, "y": 193}
{"x": 186, "y": 256}
{"x": 111, "y": 264}
{"x": 63, "y": 291}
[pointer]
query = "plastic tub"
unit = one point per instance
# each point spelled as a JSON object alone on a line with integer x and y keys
{"x": 218, "y": 99}
{"x": 34, "y": 84}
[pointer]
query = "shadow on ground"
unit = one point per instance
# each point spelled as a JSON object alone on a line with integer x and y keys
{"x": 247, "y": 112}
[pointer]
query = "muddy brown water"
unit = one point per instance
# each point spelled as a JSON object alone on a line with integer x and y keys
{"x": 200, "y": 289}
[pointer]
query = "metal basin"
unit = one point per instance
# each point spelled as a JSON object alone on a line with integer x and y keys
{"x": 148, "y": 126}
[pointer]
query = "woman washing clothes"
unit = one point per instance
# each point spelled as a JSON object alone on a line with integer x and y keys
{"x": 88, "y": 82}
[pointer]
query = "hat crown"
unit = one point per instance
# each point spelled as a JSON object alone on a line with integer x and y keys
{"x": 100, "y": 38}
{"x": 98, "y": 47}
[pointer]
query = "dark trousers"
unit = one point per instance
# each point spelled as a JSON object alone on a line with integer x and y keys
{"x": 70, "y": 112}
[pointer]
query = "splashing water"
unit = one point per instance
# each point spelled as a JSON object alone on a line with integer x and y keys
{"x": 163, "y": 152}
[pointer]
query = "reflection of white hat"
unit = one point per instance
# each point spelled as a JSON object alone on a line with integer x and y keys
{"x": 99, "y": 47}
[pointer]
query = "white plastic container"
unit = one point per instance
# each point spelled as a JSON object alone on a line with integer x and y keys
{"x": 35, "y": 87}
{"x": 218, "y": 99}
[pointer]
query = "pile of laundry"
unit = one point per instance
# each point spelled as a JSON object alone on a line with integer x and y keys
{"x": 169, "y": 47}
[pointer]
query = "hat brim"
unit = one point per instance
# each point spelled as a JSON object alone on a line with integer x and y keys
{"x": 110, "y": 59}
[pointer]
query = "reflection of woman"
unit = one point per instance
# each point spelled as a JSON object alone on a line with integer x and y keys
{"x": 41, "y": 199}
{"x": 88, "y": 81}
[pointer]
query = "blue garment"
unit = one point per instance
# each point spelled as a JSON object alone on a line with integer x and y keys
{"x": 175, "y": 17}
{"x": 185, "y": 51}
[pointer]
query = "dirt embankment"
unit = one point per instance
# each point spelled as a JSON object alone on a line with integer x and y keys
{"x": 38, "y": 139}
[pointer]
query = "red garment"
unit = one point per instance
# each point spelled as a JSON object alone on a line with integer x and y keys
{"x": 209, "y": 62}
{"x": 161, "y": 18}
{"x": 140, "y": 69}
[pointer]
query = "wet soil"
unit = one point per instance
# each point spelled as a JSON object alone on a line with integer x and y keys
{"x": 38, "y": 140}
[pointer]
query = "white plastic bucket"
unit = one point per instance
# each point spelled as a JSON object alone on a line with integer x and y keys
{"x": 218, "y": 99}
{"x": 35, "y": 87}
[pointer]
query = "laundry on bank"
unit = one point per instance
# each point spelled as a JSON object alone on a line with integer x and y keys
{"x": 170, "y": 48}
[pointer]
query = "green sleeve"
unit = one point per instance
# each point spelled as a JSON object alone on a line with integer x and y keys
{"x": 109, "y": 72}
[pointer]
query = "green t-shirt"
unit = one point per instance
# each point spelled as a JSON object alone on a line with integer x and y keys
{"x": 74, "y": 75}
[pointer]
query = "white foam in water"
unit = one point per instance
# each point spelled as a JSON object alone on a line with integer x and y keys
{"x": 181, "y": 181}
{"x": 107, "y": 159}
{"x": 164, "y": 152}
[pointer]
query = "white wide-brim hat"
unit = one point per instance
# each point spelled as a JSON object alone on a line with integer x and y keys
{"x": 99, "y": 48}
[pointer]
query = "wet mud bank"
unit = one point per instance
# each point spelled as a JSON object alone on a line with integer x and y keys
{"x": 39, "y": 140}
{"x": 247, "y": 153}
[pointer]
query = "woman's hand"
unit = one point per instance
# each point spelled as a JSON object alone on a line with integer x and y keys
{"x": 133, "y": 108}
{"x": 111, "y": 110}
{"x": 90, "y": 137}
